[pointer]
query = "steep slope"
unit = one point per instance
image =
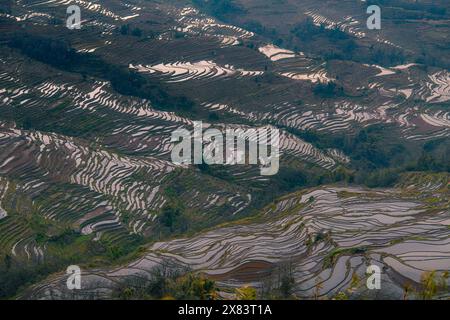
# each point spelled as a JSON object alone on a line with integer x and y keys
{"x": 326, "y": 236}
{"x": 86, "y": 118}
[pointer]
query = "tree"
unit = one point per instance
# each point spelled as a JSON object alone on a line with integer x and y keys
{"x": 340, "y": 296}
{"x": 355, "y": 280}
{"x": 136, "y": 32}
{"x": 429, "y": 285}
{"x": 170, "y": 216}
{"x": 286, "y": 280}
{"x": 407, "y": 288}
{"x": 443, "y": 281}
{"x": 318, "y": 287}
{"x": 328, "y": 90}
{"x": 124, "y": 29}
{"x": 7, "y": 261}
{"x": 246, "y": 293}
{"x": 193, "y": 286}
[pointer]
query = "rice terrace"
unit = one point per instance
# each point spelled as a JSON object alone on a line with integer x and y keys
{"x": 335, "y": 184}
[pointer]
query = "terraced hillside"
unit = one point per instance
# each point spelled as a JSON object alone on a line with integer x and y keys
{"x": 86, "y": 118}
{"x": 327, "y": 236}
